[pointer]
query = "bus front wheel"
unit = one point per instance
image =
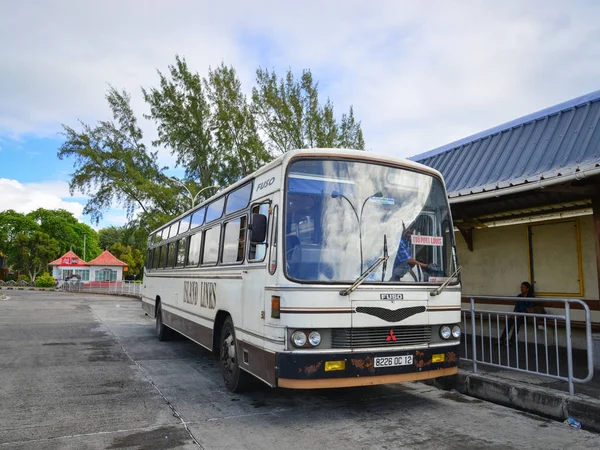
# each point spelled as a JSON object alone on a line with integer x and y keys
{"x": 236, "y": 380}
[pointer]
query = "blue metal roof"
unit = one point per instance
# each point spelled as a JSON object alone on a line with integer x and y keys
{"x": 553, "y": 142}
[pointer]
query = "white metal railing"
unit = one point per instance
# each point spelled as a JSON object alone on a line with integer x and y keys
{"x": 103, "y": 287}
{"x": 535, "y": 353}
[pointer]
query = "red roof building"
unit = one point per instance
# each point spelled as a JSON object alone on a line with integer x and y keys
{"x": 104, "y": 268}
{"x": 106, "y": 259}
{"x": 68, "y": 259}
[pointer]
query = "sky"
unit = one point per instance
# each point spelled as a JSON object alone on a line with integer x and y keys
{"x": 419, "y": 75}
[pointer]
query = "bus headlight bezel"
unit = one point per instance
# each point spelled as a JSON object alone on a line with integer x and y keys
{"x": 299, "y": 338}
{"x": 456, "y": 332}
{"x": 314, "y": 338}
{"x": 445, "y": 332}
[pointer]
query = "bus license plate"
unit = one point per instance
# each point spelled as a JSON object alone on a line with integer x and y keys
{"x": 391, "y": 361}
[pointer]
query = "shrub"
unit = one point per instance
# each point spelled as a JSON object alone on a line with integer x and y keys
{"x": 44, "y": 280}
{"x": 24, "y": 278}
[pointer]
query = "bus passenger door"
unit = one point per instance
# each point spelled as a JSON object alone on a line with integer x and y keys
{"x": 253, "y": 294}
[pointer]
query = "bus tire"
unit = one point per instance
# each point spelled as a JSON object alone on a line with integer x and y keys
{"x": 236, "y": 379}
{"x": 163, "y": 332}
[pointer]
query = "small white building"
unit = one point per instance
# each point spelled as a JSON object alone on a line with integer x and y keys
{"x": 104, "y": 268}
{"x": 107, "y": 268}
{"x": 68, "y": 265}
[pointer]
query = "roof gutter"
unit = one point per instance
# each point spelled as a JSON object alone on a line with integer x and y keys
{"x": 540, "y": 184}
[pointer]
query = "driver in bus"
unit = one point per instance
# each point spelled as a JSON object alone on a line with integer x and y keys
{"x": 404, "y": 260}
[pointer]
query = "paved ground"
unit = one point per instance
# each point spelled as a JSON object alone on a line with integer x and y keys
{"x": 87, "y": 372}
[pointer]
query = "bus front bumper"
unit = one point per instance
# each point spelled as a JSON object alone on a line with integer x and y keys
{"x": 306, "y": 370}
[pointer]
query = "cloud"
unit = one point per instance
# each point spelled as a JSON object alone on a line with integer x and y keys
{"x": 418, "y": 74}
{"x": 27, "y": 197}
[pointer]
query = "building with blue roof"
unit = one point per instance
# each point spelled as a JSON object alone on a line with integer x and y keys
{"x": 525, "y": 197}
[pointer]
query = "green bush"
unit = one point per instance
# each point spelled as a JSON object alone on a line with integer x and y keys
{"x": 23, "y": 278}
{"x": 44, "y": 280}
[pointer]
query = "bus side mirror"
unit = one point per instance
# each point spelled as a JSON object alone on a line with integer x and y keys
{"x": 259, "y": 228}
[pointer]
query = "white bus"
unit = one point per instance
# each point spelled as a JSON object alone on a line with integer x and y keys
{"x": 325, "y": 268}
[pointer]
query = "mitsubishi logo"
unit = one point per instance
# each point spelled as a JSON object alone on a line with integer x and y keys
{"x": 391, "y": 337}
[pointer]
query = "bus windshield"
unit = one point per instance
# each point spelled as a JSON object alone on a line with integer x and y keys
{"x": 341, "y": 216}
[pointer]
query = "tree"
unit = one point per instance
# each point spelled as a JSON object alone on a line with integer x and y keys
{"x": 290, "y": 115}
{"x": 12, "y": 224}
{"x": 130, "y": 256}
{"x": 210, "y": 127}
{"x": 207, "y": 124}
{"x": 110, "y": 236}
{"x": 35, "y": 252}
{"x": 68, "y": 232}
{"x": 234, "y": 127}
{"x": 113, "y": 164}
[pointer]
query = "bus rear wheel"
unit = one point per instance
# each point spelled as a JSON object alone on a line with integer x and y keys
{"x": 236, "y": 379}
{"x": 163, "y": 332}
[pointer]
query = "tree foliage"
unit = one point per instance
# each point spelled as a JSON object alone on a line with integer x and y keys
{"x": 131, "y": 256}
{"x": 113, "y": 165}
{"x": 109, "y": 236}
{"x": 19, "y": 232}
{"x": 291, "y": 116}
{"x": 207, "y": 124}
{"x": 12, "y": 224}
{"x": 68, "y": 232}
{"x": 216, "y": 134}
{"x": 34, "y": 252}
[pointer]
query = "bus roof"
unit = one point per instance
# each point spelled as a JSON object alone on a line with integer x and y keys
{"x": 327, "y": 152}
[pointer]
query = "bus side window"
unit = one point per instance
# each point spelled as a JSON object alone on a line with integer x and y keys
{"x": 211, "y": 245}
{"x": 162, "y": 263}
{"x": 234, "y": 241}
{"x": 181, "y": 252}
{"x": 156, "y": 255}
{"x": 172, "y": 254}
{"x": 258, "y": 251}
{"x": 194, "y": 249}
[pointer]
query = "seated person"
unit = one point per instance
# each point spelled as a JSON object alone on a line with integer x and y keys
{"x": 524, "y": 306}
{"x": 404, "y": 261}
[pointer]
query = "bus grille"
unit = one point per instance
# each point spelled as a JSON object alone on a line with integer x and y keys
{"x": 377, "y": 337}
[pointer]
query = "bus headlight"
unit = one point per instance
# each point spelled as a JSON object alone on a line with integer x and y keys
{"x": 456, "y": 332}
{"x": 445, "y": 332}
{"x": 314, "y": 338}
{"x": 299, "y": 338}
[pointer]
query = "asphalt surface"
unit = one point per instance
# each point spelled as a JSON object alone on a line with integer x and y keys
{"x": 79, "y": 372}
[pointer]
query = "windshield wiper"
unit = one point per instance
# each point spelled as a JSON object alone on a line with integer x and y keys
{"x": 385, "y": 255}
{"x": 364, "y": 276}
{"x": 439, "y": 290}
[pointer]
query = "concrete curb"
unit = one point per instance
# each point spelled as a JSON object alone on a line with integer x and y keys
{"x": 114, "y": 294}
{"x": 26, "y": 288}
{"x": 548, "y": 403}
